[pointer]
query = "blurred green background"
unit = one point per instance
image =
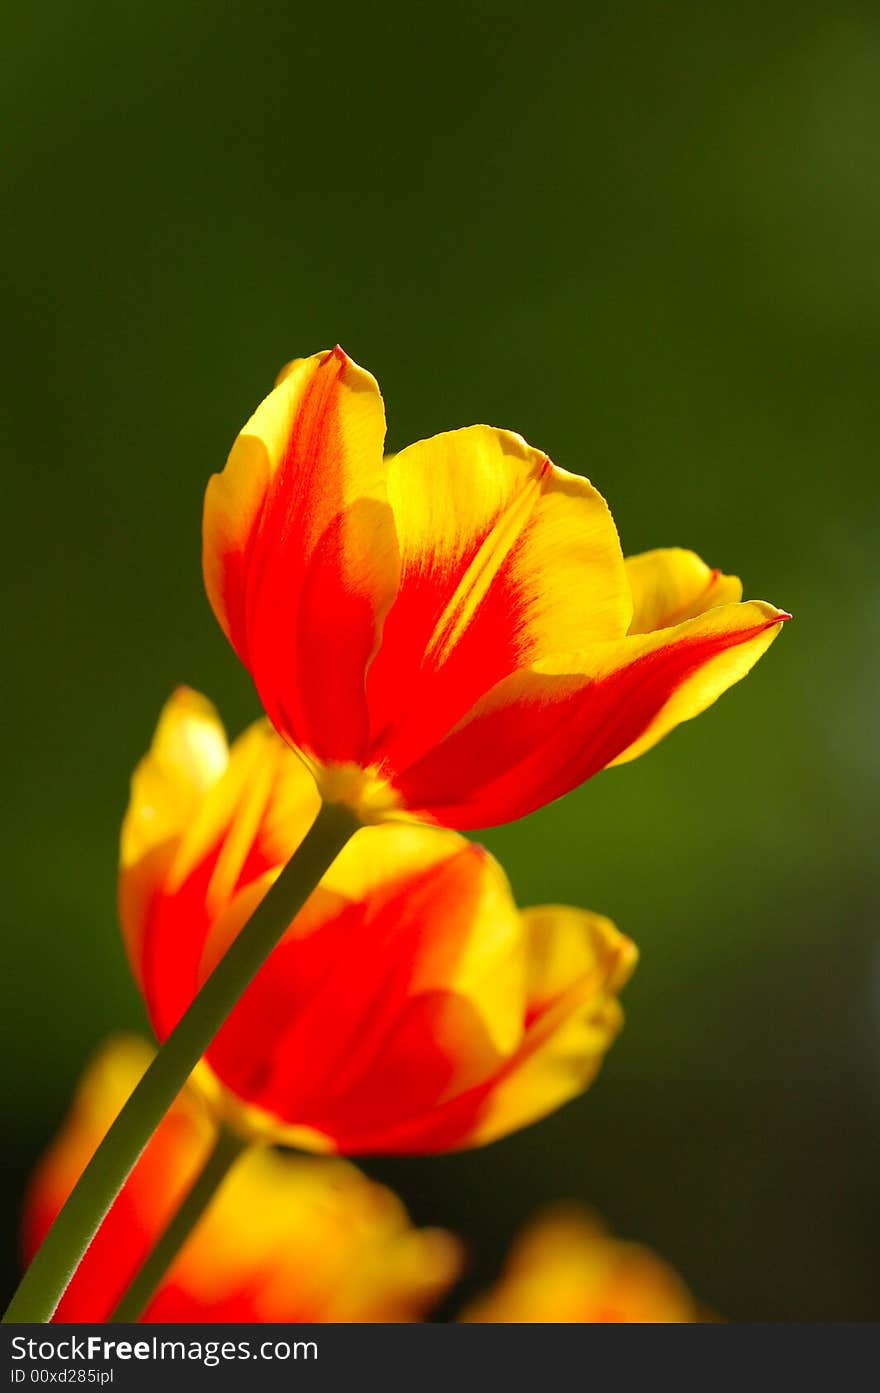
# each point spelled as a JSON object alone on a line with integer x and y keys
{"x": 648, "y": 238}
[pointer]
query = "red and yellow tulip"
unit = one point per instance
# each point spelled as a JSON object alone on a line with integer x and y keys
{"x": 452, "y": 632}
{"x": 566, "y": 1268}
{"x": 285, "y": 1239}
{"x": 410, "y": 1007}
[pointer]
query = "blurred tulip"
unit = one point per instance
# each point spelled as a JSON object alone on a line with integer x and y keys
{"x": 453, "y": 631}
{"x": 566, "y": 1268}
{"x": 287, "y": 1238}
{"x": 410, "y": 1007}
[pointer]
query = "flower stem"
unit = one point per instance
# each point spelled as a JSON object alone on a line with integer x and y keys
{"x": 221, "y": 1158}
{"x": 46, "y": 1279}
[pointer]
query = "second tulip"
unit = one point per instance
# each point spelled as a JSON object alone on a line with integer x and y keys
{"x": 410, "y": 1007}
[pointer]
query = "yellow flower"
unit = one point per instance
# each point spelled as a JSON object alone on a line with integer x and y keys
{"x": 567, "y": 1268}
{"x": 286, "y": 1238}
{"x": 410, "y": 1007}
{"x": 451, "y": 632}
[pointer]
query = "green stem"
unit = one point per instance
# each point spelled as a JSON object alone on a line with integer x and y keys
{"x": 221, "y": 1158}
{"x": 45, "y": 1281}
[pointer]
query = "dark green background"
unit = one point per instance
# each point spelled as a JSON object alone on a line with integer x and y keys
{"x": 648, "y": 237}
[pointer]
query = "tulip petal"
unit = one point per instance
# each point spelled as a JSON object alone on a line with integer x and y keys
{"x": 567, "y": 1268}
{"x": 577, "y": 962}
{"x": 709, "y": 654}
{"x": 157, "y": 1185}
{"x": 547, "y": 729}
{"x": 504, "y": 559}
{"x": 300, "y": 559}
{"x": 415, "y": 940}
{"x": 670, "y": 585}
{"x": 187, "y": 755}
{"x": 284, "y": 1239}
{"x": 571, "y": 947}
{"x": 421, "y": 1087}
{"x": 299, "y": 1240}
{"x": 203, "y": 822}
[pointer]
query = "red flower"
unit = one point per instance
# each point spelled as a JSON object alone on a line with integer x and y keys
{"x": 452, "y": 631}
{"x": 285, "y": 1238}
{"x": 410, "y": 1006}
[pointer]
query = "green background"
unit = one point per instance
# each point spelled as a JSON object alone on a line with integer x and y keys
{"x": 648, "y": 238}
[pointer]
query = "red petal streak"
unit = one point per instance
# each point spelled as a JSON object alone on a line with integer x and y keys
{"x": 451, "y": 1122}
{"x": 455, "y": 630}
{"x": 174, "y": 932}
{"x": 569, "y": 727}
{"x": 311, "y": 624}
{"x": 140, "y": 1212}
{"x": 179, "y": 918}
{"x": 243, "y": 1303}
{"x": 307, "y": 1040}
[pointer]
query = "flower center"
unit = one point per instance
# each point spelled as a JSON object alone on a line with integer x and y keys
{"x": 365, "y": 790}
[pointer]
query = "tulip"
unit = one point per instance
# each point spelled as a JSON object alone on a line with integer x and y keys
{"x": 286, "y": 1238}
{"x": 566, "y": 1268}
{"x": 409, "y": 1007}
{"x": 452, "y": 632}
